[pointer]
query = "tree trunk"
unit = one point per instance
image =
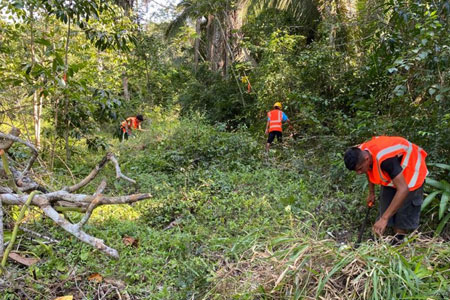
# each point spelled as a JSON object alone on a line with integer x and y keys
{"x": 37, "y": 105}
{"x": 37, "y": 99}
{"x": 216, "y": 44}
{"x": 197, "y": 43}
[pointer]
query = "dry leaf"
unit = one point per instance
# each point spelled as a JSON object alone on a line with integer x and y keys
{"x": 95, "y": 277}
{"x": 130, "y": 241}
{"x": 27, "y": 261}
{"x": 70, "y": 297}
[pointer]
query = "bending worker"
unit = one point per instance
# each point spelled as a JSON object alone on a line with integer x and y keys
{"x": 275, "y": 118}
{"x": 399, "y": 167}
{"x": 129, "y": 124}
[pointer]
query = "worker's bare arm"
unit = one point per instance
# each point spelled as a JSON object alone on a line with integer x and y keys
{"x": 371, "y": 195}
{"x": 399, "y": 197}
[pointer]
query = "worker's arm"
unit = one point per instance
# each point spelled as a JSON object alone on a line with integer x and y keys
{"x": 267, "y": 127}
{"x": 371, "y": 196}
{"x": 289, "y": 124}
{"x": 397, "y": 202}
{"x": 140, "y": 128}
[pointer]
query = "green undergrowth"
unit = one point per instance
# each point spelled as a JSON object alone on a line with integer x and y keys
{"x": 213, "y": 225}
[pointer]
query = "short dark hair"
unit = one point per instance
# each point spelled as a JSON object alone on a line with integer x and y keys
{"x": 140, "y": 118}
{"x": 352, "y": 157}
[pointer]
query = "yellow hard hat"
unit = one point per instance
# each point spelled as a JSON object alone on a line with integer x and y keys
{"x": 278, "y": 104}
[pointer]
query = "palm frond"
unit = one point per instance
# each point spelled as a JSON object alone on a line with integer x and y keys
{"x": 187, "y": 10}
{"x": 304, "y": 11}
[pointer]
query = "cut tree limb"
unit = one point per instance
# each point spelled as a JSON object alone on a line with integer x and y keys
{"x": 79, "y": 234}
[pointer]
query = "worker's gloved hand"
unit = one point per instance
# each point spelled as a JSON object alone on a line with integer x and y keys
{"x": 291, "y": 128}
{"x": 267, "y": 132}
{"x": 370, "y": 200}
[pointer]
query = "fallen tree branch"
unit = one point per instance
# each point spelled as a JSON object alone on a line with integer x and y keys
{"x": 79, "y": 234}
{"x": 37, "y": 234}
{"x": 66, "y": 199}
{"x": 109, "y": 156}
{"x": 118, "y": 172}
{"x": 29, "y": 145}
{"x": 52, "y": 202}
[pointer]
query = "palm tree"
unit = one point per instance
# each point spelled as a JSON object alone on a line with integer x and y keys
{"x": 222, "y": 25}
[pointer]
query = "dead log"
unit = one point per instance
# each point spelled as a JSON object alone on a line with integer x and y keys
{"x": 50, "y": 202}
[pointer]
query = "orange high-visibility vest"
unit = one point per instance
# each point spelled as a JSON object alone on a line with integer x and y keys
{"x": 413, "y": 161}
{"x": 132, "y": 122}
{"x": 275, "y": 118}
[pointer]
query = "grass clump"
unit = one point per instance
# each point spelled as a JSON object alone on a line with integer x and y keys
{"x": 300, "y": 266}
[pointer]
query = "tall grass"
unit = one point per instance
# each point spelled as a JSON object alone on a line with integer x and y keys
{"x": 300, "y": 266}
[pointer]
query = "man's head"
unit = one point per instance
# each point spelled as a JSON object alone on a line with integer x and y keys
{"x": 140, "y": 118}
{"x": 357, "y": 160}
{"x": 277, "y": 105}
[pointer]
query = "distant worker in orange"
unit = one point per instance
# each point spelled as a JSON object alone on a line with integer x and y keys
{"x": 275, "y": 118}
{"x": 399, "y": 167}
{"x": 129, "y": 124}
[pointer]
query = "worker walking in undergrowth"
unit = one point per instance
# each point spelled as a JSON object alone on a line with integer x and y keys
{"x": 399, "y": 167}
{"x": 275, "y": 118}
{"x": 128, "y": 125}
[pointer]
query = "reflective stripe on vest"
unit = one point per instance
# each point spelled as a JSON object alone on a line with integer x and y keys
{"x": 413, "y": 161}
{"x": 275, "y": 118}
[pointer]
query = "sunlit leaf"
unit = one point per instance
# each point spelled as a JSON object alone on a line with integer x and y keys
{"x": 443, "y": 204}
{"x": 429, "y": 198}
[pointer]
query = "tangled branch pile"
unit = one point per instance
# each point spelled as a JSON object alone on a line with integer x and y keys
{"x": 23, "y": 191}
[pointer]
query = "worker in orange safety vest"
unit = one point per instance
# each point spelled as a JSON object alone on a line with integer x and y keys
{"x": 275, "y": 118}
{"x": 399, "y": 167}
{"x": 129, "y": 124}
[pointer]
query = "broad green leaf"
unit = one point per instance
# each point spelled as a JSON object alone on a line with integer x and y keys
{"x": 442, "y": 224}
{"x": 439, "y": 165}
{"x": 435, "y": 183}
{"x": 443, "y": 204}
{"x": 43, "y": 42}
{"x": 429, "y": 198}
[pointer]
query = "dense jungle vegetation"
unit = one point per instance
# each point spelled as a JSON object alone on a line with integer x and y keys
{"x": 224, "y": 219}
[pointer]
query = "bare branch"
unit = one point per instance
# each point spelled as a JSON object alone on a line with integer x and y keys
{"x": 7, "y": 143}
{"x": 118, "y": 172}
{"x": 70, "y": 200}
{"x": 29, "y": 145}
{"x": 79, "y": 234}
{"x": 109, "y": 156}
{"x": 100, "y": 188}
{"x": 89, "y": 211}
{"x": 88, "y": 178}
{"x": 37, "y": 234}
